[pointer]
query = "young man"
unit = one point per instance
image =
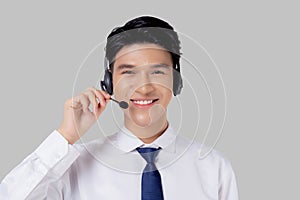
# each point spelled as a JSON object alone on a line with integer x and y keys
{"x": 145, "y": 159}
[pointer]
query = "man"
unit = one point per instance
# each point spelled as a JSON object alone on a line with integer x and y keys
{"x": 145, "y": 159}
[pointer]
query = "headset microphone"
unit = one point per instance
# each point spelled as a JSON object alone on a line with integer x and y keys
{"x": 122, "y": 104}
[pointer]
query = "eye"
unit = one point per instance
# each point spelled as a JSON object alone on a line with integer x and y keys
{"x": 158, "y": 72}
{"x": 128, "y": 72}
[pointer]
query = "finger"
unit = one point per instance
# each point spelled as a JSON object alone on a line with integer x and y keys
{"x": 74, "y": 103}
{"x": 101, "y": 97}
{"x": 106, "y": 95}
{"x": 92, "y": 98}
{"x": 85, "y": 102}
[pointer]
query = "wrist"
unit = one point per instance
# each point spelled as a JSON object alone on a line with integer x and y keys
{"x": 67, "y": 136}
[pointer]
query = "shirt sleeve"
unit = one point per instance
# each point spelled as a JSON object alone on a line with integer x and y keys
{"x": 33, "y": 178}
{"x": 227, "y": 182}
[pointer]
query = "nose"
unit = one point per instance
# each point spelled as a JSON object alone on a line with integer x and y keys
{"x": 145, "y": 85}
{"x": 145, "y": 89}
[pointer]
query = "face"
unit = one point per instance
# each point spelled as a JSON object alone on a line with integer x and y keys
{"x": 143, "y": 77}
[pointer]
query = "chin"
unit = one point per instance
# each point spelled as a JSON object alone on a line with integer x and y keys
{"x": 146, "y": 118}
{"x": 141, "y": 120}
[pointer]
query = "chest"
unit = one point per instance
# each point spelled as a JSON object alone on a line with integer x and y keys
{"x": 179, "y": 180}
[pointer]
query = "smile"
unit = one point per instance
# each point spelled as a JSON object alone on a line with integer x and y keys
{"x": 143, "y": 103}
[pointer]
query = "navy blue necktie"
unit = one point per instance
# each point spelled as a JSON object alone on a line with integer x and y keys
{"x": 151, "y": 180}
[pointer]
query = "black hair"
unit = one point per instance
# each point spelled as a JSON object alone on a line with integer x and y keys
{"x": 144, "y": 29}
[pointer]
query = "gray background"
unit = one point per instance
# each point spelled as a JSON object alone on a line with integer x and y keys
{"x": 254, "y": 44}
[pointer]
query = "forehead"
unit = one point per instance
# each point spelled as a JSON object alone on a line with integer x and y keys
{"x": 142, "y": 54}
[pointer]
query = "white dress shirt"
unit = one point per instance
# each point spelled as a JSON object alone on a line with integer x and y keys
{"x": 111, "y": 169}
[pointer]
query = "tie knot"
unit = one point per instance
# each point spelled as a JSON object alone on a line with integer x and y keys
{"x": 148, "y": 153}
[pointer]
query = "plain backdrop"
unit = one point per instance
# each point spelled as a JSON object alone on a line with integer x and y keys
{"x": 255, "y": 45}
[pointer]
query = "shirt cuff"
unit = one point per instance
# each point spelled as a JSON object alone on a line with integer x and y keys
{"x": 56, "y": 152}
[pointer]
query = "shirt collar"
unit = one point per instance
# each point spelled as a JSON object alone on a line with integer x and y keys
{"x": 127, "y": 141}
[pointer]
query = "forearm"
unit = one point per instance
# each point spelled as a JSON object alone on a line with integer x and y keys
{"x": 47, "y": 164}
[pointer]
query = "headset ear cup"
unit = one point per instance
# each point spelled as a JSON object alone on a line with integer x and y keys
{"x": 177, "y": 82}
{"x": 107, "y": 84}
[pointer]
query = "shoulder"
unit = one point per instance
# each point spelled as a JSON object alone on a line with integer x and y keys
{"x": 202, "y": 154}
{"x": 90, "y": 146}
{"x": 100, "y": 148}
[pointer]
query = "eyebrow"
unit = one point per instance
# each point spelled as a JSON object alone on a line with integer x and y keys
{"x": 127, "y": 66}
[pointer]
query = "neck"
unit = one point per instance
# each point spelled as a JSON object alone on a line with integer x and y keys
{"x": 150, "y": 133}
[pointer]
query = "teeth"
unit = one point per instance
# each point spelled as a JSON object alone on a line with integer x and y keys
{"x": 143, "y": 102}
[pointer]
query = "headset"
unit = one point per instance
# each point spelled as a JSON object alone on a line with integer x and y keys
{"x": 107, "y": 82}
